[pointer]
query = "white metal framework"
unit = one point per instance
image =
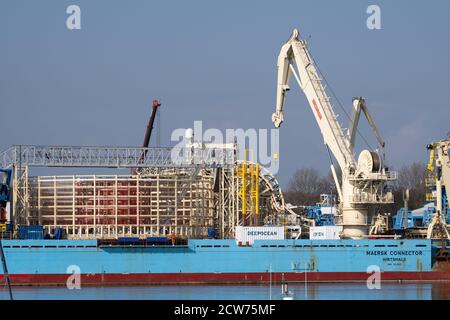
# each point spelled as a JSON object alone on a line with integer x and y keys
{"x": 113, "y": 157}
{"x": 175, "y": 191}
{"x": 114, "y": 206}
{"x": 22, "y": 157}
{"x": 157, "y": 202}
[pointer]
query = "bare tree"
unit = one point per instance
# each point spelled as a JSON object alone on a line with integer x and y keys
{"x": 411, "y": 177}
{"x": 306, "y": 185}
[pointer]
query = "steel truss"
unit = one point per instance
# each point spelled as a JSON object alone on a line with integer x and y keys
{"x": 114, "y": 157}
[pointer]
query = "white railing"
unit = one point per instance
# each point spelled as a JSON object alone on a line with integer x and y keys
{"x": 371, "y": 198}
{"x": 386, "y": 176}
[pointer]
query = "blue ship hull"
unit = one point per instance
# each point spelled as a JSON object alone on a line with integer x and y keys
{"x": 219, "y": 261}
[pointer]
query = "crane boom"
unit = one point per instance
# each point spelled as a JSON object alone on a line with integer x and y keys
{"x": 359, "y": 104}
{"x": 148, "y": 132}
{"x": 295, "y": 50}
{"x": 363, "y": 181}
{"x": 151, "y": 120}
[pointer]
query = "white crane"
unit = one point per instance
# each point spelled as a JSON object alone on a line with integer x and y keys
{"x": 440, "y": 171}
{"x": 364, "y": 180}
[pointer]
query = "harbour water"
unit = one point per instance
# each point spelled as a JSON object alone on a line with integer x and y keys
{"x": 312, "y": 291}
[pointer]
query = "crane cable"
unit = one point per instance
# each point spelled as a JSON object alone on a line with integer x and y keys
{"x": 329, "y": 154}
{"x": 337, "y": 99}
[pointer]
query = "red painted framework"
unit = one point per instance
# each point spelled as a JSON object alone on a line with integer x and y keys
{"x": 221, "y": 278}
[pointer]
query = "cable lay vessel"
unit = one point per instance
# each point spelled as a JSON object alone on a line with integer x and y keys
{"x": 208, "y": 217}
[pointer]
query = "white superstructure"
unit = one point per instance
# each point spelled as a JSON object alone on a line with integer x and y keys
{"x": 440, "y": 172}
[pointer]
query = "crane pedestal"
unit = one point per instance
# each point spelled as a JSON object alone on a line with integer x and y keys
{"x": 354, "y": 222}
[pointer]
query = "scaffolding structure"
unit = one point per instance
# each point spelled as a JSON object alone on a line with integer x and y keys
{"x": 163, "y": 202}
{"x": 119, "y": 206}
{"x": 208, "y": 188}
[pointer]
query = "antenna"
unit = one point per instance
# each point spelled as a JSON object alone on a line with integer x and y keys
{"x": 405, "y": 213}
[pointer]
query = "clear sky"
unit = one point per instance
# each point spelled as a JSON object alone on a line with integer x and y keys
{"x": 216, "y": 61}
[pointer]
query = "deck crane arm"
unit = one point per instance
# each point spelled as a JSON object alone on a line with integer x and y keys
{"x": 359, "y": 104}
{"x": 363, "y": 180}
{"x": 296, "y": 51}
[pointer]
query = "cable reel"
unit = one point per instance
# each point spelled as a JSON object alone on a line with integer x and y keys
{"x": 369, "y": 162}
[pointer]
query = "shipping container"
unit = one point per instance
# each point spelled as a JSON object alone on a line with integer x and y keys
{"x": 157, "y": 240}
{"x": 31, "y": 232}
{"x": 247, "y": 235}
{"x": 127, "y": 240}
{"x": 325, "y": 232}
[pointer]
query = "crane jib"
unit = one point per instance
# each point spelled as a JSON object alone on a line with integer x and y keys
{"x": 363, "y": 182}
{"x": 317, "y": 109}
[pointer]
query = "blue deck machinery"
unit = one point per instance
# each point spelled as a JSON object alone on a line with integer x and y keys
{"x": 419, "y": 218}
{"x": 5, "y": 193}
{"x": 323, "y": 213}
